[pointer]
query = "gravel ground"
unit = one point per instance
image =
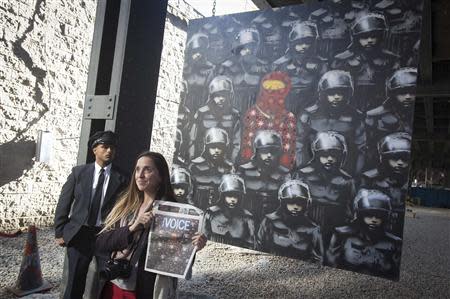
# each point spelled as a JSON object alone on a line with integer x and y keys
{"x": 222, "y": 271}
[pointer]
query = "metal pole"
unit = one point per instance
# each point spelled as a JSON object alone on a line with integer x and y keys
{"x": 123, "y": 75}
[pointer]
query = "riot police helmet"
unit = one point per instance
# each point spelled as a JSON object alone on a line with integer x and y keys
{"x": 231, "y": 185}
{"x": 336, "y": 80}
{"x": 398, "y": 143}
{"x": 221, "y": 91}
{"x": 371, "y": 202}
{"x": 369, "y": 23}
{"x": 181, "y": 178}
{"x": 402, "y": 80}
{"x": 220, "y": 83}
{"x": 248, "y": 37}
{"x": 198, "y": 41}
{"x": 330, "y": 142}
{"x": 295, "y": 191}
{"x": 303, "y": 30}
{"x": 303, "y": 38}
{"x": 267, "y": 139}
{"x": 216, "y": 136}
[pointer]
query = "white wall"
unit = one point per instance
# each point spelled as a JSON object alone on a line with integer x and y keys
{"x": 44, "y": 56}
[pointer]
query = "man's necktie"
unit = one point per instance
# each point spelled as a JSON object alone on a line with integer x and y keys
{"x": 97, "y": 199}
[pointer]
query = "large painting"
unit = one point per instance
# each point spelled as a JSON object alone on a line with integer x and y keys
{"x": 294, "y": 130}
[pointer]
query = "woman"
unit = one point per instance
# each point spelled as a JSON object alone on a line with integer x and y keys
{"x": 126, "y": 230}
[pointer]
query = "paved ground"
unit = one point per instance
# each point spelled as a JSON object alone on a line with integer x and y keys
{"x": 228, "y": 272}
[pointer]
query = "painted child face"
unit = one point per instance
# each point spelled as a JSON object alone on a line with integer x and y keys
{"x": 398, "y": 164}
{"x": 335, "y": 98}
{"x": 245, "y": 51}
{"x": 221, "y": 98}
{"x": 215, "y": 151}
{"x": 231, "y": 201}
{"x": 368, "y": 41}
{"x": 302, "y": 47}
{"x": 373, "y": 222}
{"x": 406, "y": 99}
{"x": 294, "y": 208}
{"x": 268, "y": 156}
{"x": 179, "y": 191}
{"x": 329, "y": 159}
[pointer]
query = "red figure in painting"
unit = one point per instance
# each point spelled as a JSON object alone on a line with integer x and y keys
{"x": 269, "y": 113}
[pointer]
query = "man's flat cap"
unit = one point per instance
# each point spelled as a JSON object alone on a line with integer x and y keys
{"x": 102, "y": 137}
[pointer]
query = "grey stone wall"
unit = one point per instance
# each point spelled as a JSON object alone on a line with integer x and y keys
{"x": 44, "y": 56}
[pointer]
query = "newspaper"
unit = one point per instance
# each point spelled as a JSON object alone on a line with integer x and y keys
{"x": 170, "y": 251}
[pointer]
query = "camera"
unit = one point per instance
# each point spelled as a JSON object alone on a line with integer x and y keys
{"x": 116, "y": 268}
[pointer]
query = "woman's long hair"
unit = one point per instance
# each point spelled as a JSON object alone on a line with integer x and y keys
{"x": 131, "y": 199}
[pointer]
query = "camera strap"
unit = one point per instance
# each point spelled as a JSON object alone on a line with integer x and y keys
{"x": 132, "y": 248}
{"x": 136, "y": 241}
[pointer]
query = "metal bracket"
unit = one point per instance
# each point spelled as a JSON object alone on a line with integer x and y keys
{"x": 100, "y": 106}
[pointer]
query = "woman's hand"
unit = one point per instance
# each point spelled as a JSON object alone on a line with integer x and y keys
{"x": 142, "y": 221}
{"x": 60, "y": 242}
{"x": 199, "y": 241}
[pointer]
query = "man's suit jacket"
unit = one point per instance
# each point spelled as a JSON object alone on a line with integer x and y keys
{"x": 72, "y": 210}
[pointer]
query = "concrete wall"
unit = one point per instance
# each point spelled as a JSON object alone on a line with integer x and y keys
{"x": 44, "y": 56}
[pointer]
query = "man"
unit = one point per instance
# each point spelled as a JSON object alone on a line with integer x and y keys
{"x": 197, "y": 71}
{"x": 182, "y": 185}
{"x": 368, "y": 61}
{"x": 396, "y": 113}
{"x": 245, "y": 67}
{"x": 208, "y": 168}
{"x": 288, "y": 231}
{"x": 404, "y": 19}
{"x": 333, "y": 112}
{"x": 263, "y": 174}
{"x": 86, "y": 198}
{"x": 272, "y": 37}
{"x": 332, "y": 20}
{"x": 228, "y": 222}
{"x": 219, "y": 113}
{"x": 220, "y": 33}
{"x": 303, "y": 66}
{"x": 364, "y": 245}
{"x": 331, "y": 187}
{"x": 391, "y": 175}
